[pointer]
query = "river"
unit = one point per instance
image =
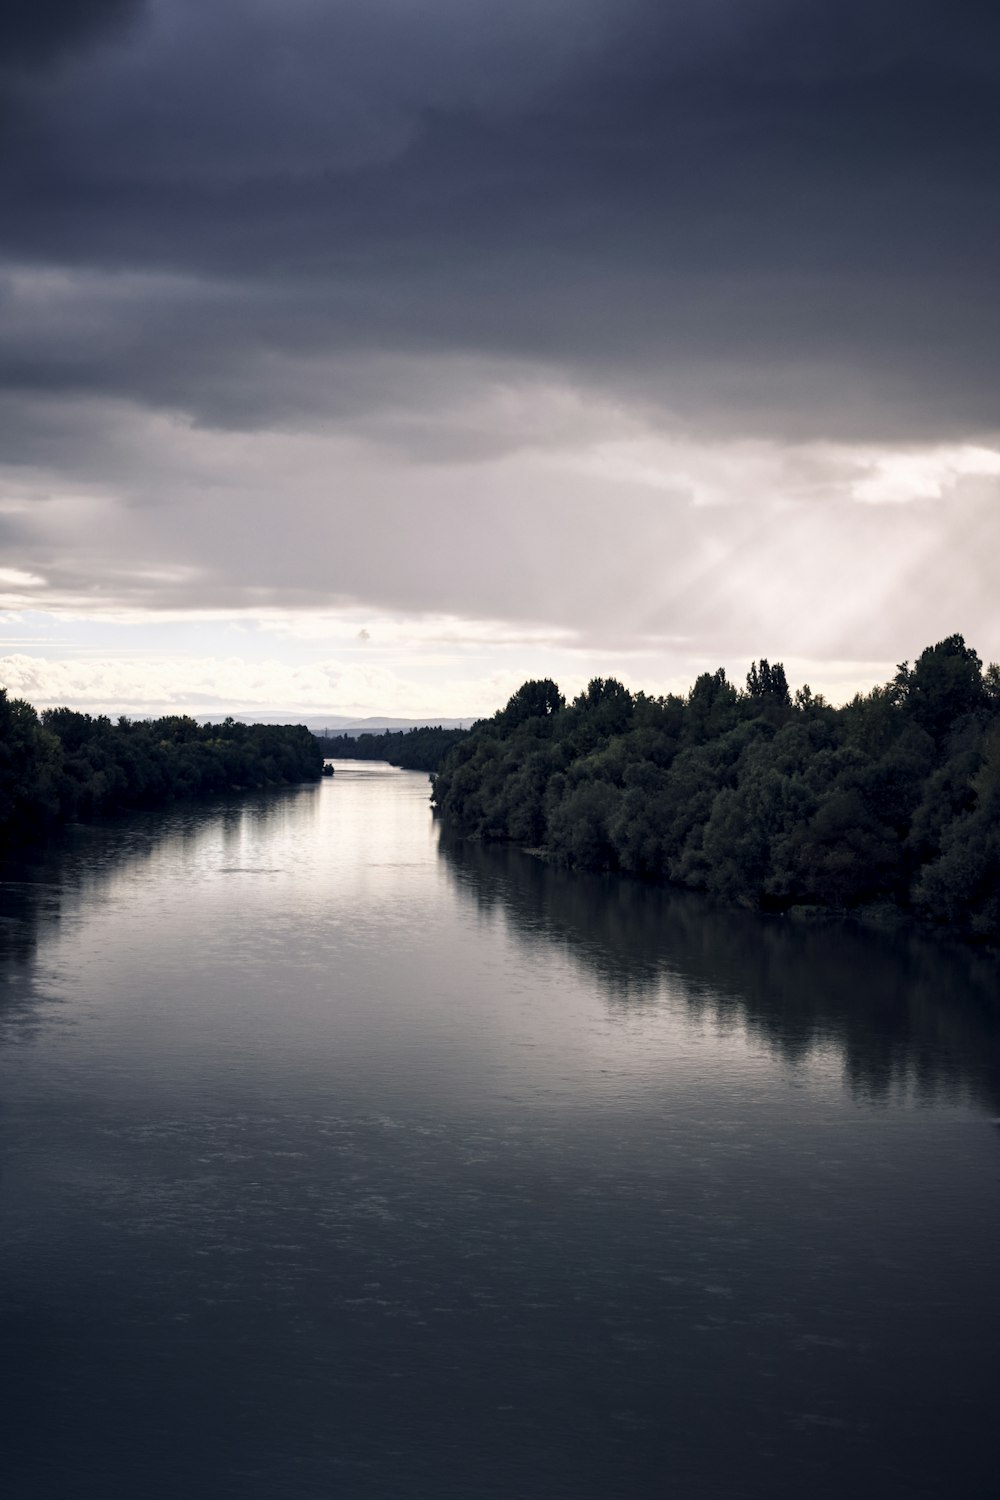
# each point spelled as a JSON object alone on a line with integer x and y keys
{"x": 342, "y": 1159}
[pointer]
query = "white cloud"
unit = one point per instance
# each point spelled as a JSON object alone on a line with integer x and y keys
{"x": 17, "y": 578}
{"x": 584, "y": 539}
{"x": 204, "y": 685}
{"x": 895, "y": 478}
{"x": 146, "y": 685}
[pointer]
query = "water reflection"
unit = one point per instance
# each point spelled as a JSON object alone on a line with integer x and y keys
{"x": 45, "y": 884}
{"x": 905, "y": 1013}
{"x": 333, "y": 1165}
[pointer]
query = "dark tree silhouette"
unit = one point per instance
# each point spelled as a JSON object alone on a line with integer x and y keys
{"x": 72, "y": 765}
{"x": 764, "y": 799}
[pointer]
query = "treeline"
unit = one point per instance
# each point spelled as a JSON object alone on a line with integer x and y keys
{"x": 755, "y": 795}
{"x": 411, "y": 749}
{"x": 63, "y": 765}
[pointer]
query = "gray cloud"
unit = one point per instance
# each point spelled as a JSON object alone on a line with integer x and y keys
{"x": 383, "y": 305}
{"x": 36, "y": 34}
{"x": 599, "y": 540}
{"x": 759, "y": 217}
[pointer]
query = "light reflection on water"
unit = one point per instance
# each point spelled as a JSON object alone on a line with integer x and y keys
{"x": 342, "y": 1158}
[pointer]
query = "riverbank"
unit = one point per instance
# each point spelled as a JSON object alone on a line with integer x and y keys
{"x": 421, "y": 749}
{"x": 768, "y": 800}
{"x": 884, "y": 917}
{"x": 62, "y": 765}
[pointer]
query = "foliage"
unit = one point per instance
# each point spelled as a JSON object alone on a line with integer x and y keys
{"x": 758, "y": 796}
{"x": 64, "y": 765}
{"x": 413, "y": 749}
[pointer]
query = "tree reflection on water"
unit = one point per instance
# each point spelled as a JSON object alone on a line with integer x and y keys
{"x": 905, "y": 1012}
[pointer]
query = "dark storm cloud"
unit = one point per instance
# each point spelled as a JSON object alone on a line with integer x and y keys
{"x": 763, "y": 215}
{"x": 36, "y": 33}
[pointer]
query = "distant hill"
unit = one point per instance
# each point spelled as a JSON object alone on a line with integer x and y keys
{"x": 323, "y": 724}
{"x": 381, "y": 726}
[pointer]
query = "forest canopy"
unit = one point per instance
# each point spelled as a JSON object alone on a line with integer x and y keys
{"x": 757, "y": 795}
{"x": 62, "y": 765}
{"x": 421, "y": 749}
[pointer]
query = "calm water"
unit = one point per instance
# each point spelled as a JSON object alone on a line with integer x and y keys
{"x": 339, "y": 1160}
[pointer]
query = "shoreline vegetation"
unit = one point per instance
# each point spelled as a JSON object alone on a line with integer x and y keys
{"x": 886, "y": 808}
{"x": 60, "y": 765}
{"x": 421, "y": 749}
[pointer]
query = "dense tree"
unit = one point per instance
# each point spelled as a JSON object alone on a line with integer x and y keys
{"x": 944, "y": 685}
{"x": 962, "y": 885}
{"x": 31, "y": 759}
{"x": 760, "y": 797}
{"x": 421, "y": 749}
{"x": 712, "y": 707}
{"x": 767, "y": 684}
{"x": 535, "y": 700}
{"x": 73, "y": 765}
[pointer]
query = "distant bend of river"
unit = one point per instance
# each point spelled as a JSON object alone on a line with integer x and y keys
{"x": 342, "y": 1160}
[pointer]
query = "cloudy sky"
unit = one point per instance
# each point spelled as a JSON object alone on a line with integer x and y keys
{"x": 370, "y": 356}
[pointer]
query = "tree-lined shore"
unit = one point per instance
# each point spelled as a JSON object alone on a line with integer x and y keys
{"x": 757, "y": 795}
{"x": 62, "y": 765}
{"x": 421, "y": 749}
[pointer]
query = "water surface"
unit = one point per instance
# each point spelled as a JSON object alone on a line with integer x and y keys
{"x": 341, "y": 1159}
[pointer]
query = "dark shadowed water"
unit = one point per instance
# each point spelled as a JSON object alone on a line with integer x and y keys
{"x": 338, "y": 1161}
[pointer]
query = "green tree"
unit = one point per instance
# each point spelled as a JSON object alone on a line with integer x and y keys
{"x": 944, "y": 684}
{"x": 535, "y": 700}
